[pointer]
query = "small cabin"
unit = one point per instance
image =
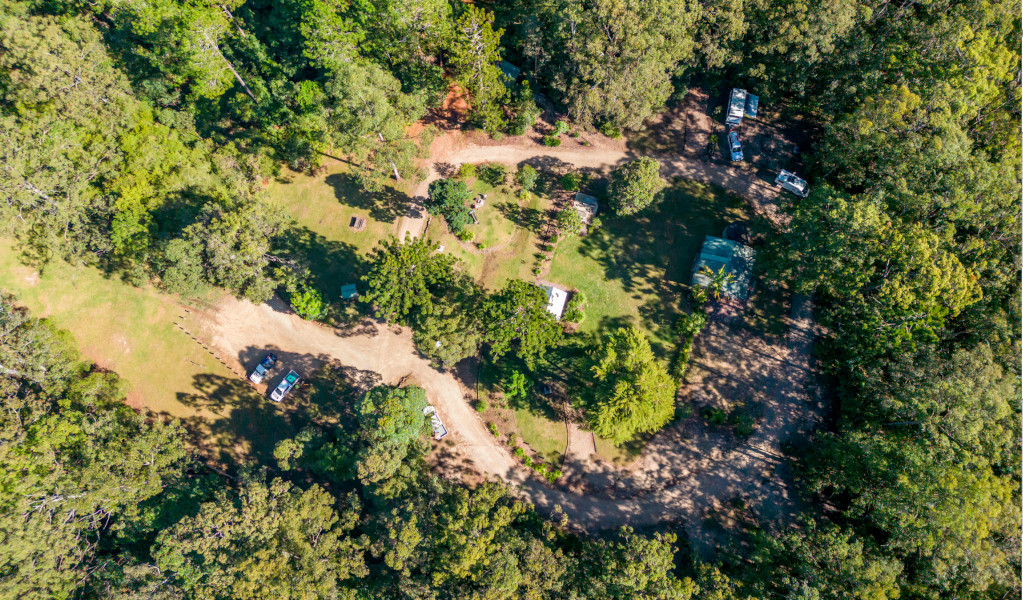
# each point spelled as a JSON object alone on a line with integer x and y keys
{"x": 735, "y": 258}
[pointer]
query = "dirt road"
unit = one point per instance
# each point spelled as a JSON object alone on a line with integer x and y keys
{"x": 761, "y": 193}
{"x": 240, "y": 329}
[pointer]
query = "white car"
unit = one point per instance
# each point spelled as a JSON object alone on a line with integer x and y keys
{"x": 264, "y": 367}
{"x": 790, "y": 182}
{"x": 286, "y": 385}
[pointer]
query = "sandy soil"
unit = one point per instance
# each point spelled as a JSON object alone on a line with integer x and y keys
{"x": 686, "y": 472}
{"x": 675, "y": 479}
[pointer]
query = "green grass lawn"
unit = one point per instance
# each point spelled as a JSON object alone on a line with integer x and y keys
{"x": 545, "y": 436}
{"x": 125, "y": 329}
{"x": 324, "y": 205}
{"x": 507, "y": 230}
{"x": 636, "y": 269}
{"x": 133, "y": 332}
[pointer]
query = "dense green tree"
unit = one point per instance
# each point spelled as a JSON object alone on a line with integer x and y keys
{"x": 76, "y": 461}
{"x": 569, "y": 220}
{"x": 268, "y": 538}
{"x": 450, "y": 198}
{"x": 634, "y": 185}
{"x": 475, "y": 51}
{"x": 404, "y": 276}
{"x": 391, "y": 423}
{"x": 609, "y": 61}
{"x": 820, "y": 560}
{"x": 634, "y": 566}
{"x": 634, "y": 394}
{"x": 516, "y": 319}
{"x": 449, "y": 333}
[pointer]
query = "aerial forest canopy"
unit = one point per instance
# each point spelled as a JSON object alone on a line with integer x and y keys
{"x": 137, "y": 137}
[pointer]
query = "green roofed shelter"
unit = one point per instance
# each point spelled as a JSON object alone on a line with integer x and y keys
{"x": 736, "y": 259}
{"x": 349, "y": 291}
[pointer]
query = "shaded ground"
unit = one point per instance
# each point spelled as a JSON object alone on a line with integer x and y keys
{"x": 679, "y": 477}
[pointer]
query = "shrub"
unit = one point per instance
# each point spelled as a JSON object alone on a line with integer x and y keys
{"x": 467, "y": 170}
{"x": 493, "y": 430}
{"x": 465, "y": 235}
{"x": 497, "y": 136}
{"x": 573, "y": 310}
{"x": 537, "y": 270}
{"x": 569, "y": 220}
{"x": 715, "y": 416}
{"x": 481, "y": 405}
{"x": 519, "y": 452}
{"x": 560, "y": 127}
{"x": 516, "y": 386}
{"x": 551, "y": 141}
{"x": 570, "y": 181}
{"x": 554, "y": 476}
{"x": 528, "y": 461}
{"x": 596, "y": 223}
{"x": 611, "y": 130}
{"x": 308, "y": 303}
{"x": 526, "y": 177}
{"x": 573, "y": 134}
{"x": 493, "y": 173}
{"x": 744, "y": 425}
{"x": 481, "y": 245}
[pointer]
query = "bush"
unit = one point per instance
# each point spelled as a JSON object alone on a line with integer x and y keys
{"x": 493, "y": 173}
{"x": 744, "y": 425}
{"x": 537, "y": 270}
{"x": 481, "y": 405}
{"x": 554, "y": 476}
{"x": 569, "y": 220}
{"x": 573, "y": 134}
{"x": 611, "y": 130}
{"x": 465, "y": 235}
{"x": 481, "y": 245}
{"x": 308, "y": 303}
{"x": 528, "y": 461}
{"x": 467, "y": 171}
{"x": 526, "y": 177}
{"x": 570, "y": 181}
{"x": 560, "y": 127}
{"x": 596, "y": 223}
{"x": 493, "y": 430}
{"x": 573, "y": 310}
{"x": 715, "y": 416}
{"x": 497, "y": 136}
{"x": 450, "y": 198}
{"x": 519, "y": 452}
{"x": 551, "y": 141}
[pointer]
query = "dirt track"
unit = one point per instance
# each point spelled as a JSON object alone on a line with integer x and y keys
{"x": 682, "y": 475}
{"x": 684, "y": 493}
{"x": 761, "y": 194}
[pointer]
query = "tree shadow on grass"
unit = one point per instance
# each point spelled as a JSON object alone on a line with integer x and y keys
{"x": 385, "y": 205}
{"x": 525, "y": 217}
{"x": 331, "y": 263}
{"x": 246, "y": 425}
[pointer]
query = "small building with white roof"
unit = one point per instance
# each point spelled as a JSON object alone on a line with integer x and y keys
{"x": 556, "y": 298}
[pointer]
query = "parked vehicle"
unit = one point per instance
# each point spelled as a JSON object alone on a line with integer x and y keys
{"x": 439, "y": 430}
{"x": 265, "y": 366}
{"x": 734, "y": 147}
{"x": 286, "y": 385}
{"x": 736, "y": 107}
{"x": 790, "y": 182}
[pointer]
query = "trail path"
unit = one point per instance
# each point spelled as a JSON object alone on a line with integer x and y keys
{"x": 761, "y": 193}
{"x": 239, "y": 327}
{"x": 685, "y": 472}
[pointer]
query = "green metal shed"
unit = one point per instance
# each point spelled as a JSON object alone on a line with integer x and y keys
{"x": 736, "y": 258}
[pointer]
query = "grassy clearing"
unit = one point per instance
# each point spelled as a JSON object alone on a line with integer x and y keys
{"x": 507, "y": 232}
{"x": 619, "y": 455}
{"x": 634, "y": 270}
{"x": 546, "y": 437}
{"x": 324, "y": 206}
{"x": 125, "y": 329}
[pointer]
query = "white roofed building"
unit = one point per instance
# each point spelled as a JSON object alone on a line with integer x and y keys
{"x": 556, "y": 298}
